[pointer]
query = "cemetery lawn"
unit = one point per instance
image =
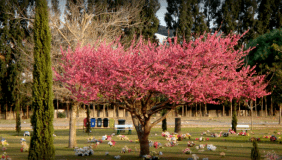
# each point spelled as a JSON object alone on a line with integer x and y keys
{"x": 235, "y": 147}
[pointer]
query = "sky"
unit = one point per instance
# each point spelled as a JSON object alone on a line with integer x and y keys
{"x": 161, "y": 12}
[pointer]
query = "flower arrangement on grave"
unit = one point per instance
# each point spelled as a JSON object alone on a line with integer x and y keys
{"x": 254, "y": 139}
{"x": 5, "y": 156}
{"x": 211, "y": 147}
{"x": 204, "y": 133}
{"x": 157, "y": 145}
{"x": 202, "y": 146}
{"x": 25, "y": 147}
{"x": 125, "y": 149}
{"x": 85, "y": 151}
{"x": 273, "y": 138}
{"x": 155, "y": 155}
{"x": 186, "y": 136}
{"x": 215, "y": 135}
{"x": 190, "y": 144}
{"x": 123, "y": 137}
{"x": 243, "y": 134}
{"x": 187, "y": 151}
{"x": 165, "y": 134}
{"x": 231, "y": 131}
{"x": 4, "y": 144}
{"x": 112, "y": 143}
{"x": 225, "y": 134}
{"x": 179, "y": 138}
{"x": 272, "y": 155}
{"x": 117, "y": 157}
{"x": 147, "y": 157}
{"x": 222, "y": 154}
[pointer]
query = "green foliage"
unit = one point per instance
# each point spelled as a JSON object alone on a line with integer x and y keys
{"x": 62, "y": 115}
{"x": 234, "y": 119}
{"x": 41, "y": 144}
{"x": 268, "y": 60}
{"x": 255, "y": 155}
{"x": 164, "y": 124}
{"x": 184, "y": 17}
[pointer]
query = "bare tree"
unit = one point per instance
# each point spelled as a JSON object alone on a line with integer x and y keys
{"x": 82, "y": 26}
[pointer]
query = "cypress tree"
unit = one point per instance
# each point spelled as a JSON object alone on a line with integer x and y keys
{"x": 12, "y": 33}
{"x": 229, "y": 15}
{"x": 150, "y": 23}
{"x": 198, "y": 23}
{"x": 255, "y": 155}
{"x": 210, "y": 11}
{"x": 264, "y": 15}
{"x": 41, "y": 145}
{"x": 185, "y": 21}
{"x": 172, "y": 14}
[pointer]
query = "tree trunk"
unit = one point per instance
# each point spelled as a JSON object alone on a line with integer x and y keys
{"x": 271, "y": 106}
{"x": 256, "y": 107}
{"x": 182, "y": 114}
{"x": 252, "y": 115}
{"x": 123, "y": 112}
{"x": 27, "y": 113}
{"x": 200, "y": 109}
{"x": 265, "y": 103}
{"x": 72, "y": 125}
{"x": 223, "y": 110}
{"x": 6, "y": 113}
{"x": 68, "y": 110}
{"x": 196, "y": 110}
{"x": 104, "y": 110}
{"x": 114, "y": 114}
{"x": 56, "y": 115}
{"x": 239, "y": 110}
{"x": 177, "y": 128}
{"x": 0, "y": 111}
{"x": 190, "y": 110}
{"x": 143, "y": 135}
{"x": 280, "y": 106}
{"x": 231, "y": 109}
{"x": 94, "y": 106}
{"x": 261, "y": 107}
{"x": 185, "y": 107}
{"x": 206, "y": 110}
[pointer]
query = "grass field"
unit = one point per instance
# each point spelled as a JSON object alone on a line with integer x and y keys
{"x": 235, "y": 147}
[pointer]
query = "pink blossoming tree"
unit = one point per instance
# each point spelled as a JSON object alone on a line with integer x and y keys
{"x": 204, "y": 70}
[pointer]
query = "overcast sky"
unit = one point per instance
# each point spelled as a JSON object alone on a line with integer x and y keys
{"x": 161, "y": 12}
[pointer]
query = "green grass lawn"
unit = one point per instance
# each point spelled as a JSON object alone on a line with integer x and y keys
{"x": 235, "y": 147}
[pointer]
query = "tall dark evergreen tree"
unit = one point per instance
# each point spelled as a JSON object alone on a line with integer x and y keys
{"x": 150, "y": 23}
{"x": 264, "y": 15}
{"x": 171, "y": 17}
{"x": 211, "y": 8}
{"x": 12, "y": 35}
{"x": 41, "y": 145}
{"x": 185, "y": 18}
{"x": 227, "y": 18}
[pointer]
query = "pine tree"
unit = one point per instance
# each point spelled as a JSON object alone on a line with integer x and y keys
{"x": 199, "y": 25}
{"x": 255, "y": 155}
{"x": 41, "y": 145}
{"x": 185, "y": 21}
